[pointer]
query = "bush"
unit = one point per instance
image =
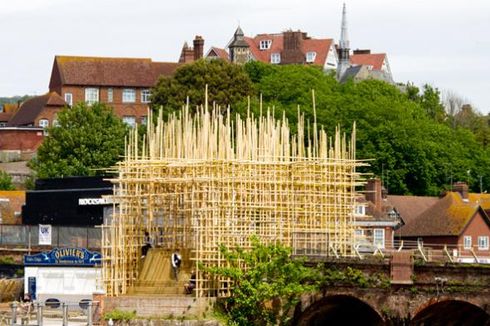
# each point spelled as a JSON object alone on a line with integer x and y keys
{"x": 122, "y": 315}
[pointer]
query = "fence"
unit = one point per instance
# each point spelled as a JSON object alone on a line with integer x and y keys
{"x": 49, "y": 313}
{"x": 27, "y": 236}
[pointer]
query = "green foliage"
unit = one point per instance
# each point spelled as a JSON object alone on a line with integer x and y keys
{"x": 268, "y": 288}
{"x": 121, "y": 315}
{"x": 227, "y": 84}
{"x": 7, "y": 260}
{"x": 407, "y": 133}
{"x": 353, "y": 277}
{"x": 87, "y": 140}
{"x": 6, "y": 181}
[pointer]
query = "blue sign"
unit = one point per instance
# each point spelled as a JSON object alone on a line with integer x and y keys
{"x": 64, "y": 257}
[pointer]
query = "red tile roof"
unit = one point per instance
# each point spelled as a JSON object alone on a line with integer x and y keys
{"x": 409, "y": 207}
{"x": 320, "y": 46}
{"x": 447, "y": 217}
{"x": 220, "y": 53}
{"x": 374, "y": 59}
{"x": 5, "y": 116}
{"x": 30, "y": 109}
{"x": 98, "y": 71}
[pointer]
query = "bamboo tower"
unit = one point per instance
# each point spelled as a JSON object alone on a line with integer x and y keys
{"x": 200, "y": 180}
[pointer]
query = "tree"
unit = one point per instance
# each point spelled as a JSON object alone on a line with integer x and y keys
{"x": 87, "y": 140}
{"x": 227, "y": 84}
{"x": 6, "y": 181}
{"x": 268, "y": 287}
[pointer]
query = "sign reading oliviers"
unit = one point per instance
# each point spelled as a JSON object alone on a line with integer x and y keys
{"x": 64, "y": 257}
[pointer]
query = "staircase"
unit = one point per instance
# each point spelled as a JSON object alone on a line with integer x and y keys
{"x": 156, "y": 276}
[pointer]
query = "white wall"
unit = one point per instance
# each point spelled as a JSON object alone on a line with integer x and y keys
{"x": 63, "y": 282}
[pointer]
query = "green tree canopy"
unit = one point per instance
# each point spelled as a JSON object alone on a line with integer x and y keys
{"x": 268, "y": 289}
{"x": 6, "y": 181}
{"x": 87, "y": 140}
{"x": 227, "y": 84}
{"x": 406, "y": 133}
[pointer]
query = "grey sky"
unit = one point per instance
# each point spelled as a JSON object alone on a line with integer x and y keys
{"x": 444, "y": 43}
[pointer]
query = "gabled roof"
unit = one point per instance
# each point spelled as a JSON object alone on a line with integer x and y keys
{"x": 30, "y": 109}
{"x": 320, "y": 46}
{"x": 409, "y": 207}
{"x": 447, "y": 217}
{"x": 219, "y": 53}
{"x": 373, "y": 59}
{"x": 98, "y": 71}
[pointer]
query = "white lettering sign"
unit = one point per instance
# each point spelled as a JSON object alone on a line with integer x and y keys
{"x": 94, "y": 201}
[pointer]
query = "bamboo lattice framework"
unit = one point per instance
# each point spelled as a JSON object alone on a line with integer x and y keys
{"x": 197, "y": 181}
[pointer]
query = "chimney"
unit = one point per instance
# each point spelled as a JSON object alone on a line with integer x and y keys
{"x": 292, "y": 44}
{"x": 462, "y": 188}
{"x": 198, "y": 47}
{"x": 374, "y": 193}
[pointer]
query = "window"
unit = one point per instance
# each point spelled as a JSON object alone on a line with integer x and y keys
{"x": 69, "y": 99}
{"x": 483, "y": 243}
{"x": 275, "y": 58}
{"x": 359, "y": 232}
{"x": 91, "y": 95}
{"x": 360, "y": 210}
{"x": 110, "y": 95}
{"x": 145, "y": 96}
{"x": 44, "y": 123}
{"x": 144, "y": 120}
{"x": 130, "y": 121}
{"x": 467, "y": 242}
{"x": 129, "y": 95}
{"x": 265, "y": 44}
{"x": 379, "y": 238}
{"x": 310, "y": 57}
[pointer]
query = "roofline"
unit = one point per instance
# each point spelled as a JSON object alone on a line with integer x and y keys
{"x": 99, "y": 57}
{"x": 22, "y": 128}
{"x": 484, "y": 215}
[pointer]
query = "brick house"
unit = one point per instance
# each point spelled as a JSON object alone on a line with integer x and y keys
{"x": 122, "y": 83}
{"x": 375, "y": 219}
{"x": 290, "y": 47}
{"x": 192, "y": 53}
{"x": 458, "y": 220}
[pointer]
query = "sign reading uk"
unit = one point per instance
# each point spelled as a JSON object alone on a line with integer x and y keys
{"x": 64, "y": 257}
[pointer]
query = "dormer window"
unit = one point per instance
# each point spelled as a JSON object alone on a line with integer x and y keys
{"x": 310, "y": 56}
{"x": 275, "y": 58}
{"x": 360, "y": 210}
{"x": 265, "y": 44}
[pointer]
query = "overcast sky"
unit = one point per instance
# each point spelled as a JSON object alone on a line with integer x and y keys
{"x": 444, "y": 43}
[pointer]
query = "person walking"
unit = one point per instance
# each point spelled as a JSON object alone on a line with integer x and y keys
{"x": 176, "y": 261}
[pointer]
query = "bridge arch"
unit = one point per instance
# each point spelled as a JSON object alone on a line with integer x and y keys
{"x": 338, "y": 310}
{"x": 450, "y": 312}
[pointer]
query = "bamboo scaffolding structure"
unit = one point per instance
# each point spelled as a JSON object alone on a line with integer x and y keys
{"x": 201, "y": 180}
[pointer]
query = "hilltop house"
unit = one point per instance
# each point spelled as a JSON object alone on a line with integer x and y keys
{"x": 296, "y": 47}
{"x": 290, "y": 47}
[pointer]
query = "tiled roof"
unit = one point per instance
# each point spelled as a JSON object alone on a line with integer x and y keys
{"x": 320, "y": 46}
{"x": 122, "y": 72}
{"x": 220, "y": 53}
{"x": 5, "y": 116}
{"x": 409, "y": 207}
{"x": 31, "y": 108}
{"x": 375, "y": 60}
{"x": 447, "y": 217}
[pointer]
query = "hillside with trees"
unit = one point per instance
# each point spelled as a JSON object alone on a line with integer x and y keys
{"x": 415, "y": 144}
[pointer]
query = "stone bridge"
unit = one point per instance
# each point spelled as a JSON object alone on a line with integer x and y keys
{"x": 436, "y": 295}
